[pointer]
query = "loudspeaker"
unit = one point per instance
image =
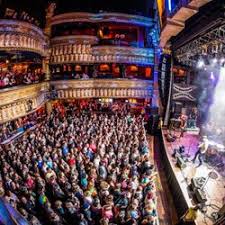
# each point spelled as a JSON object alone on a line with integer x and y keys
{"x": 153, "y": 123}
{"x": 154, "y": 110}
{"x": 177, "y": 109}
{"x": 180, "y": 162}
{"x": 200, "y": 195}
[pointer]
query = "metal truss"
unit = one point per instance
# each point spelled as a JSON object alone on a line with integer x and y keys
{"x": 209, "y": 43}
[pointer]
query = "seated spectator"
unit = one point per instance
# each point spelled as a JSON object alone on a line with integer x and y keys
{"x": 10, "y": 79}
{"x": 85, "y": 76}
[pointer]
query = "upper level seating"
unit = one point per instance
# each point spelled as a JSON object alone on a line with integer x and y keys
{"x": 11, "y": 79}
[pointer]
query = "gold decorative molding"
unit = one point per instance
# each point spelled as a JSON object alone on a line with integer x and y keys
{"x": 21, "y": 36}
{"x": 85, "y": 53}
{"x": 14, "y": 102}
{"x": 115, "y": 88}
{"x": 75, "y": 39}
{"x": 102, "y": 17}
{"x": 11, "y": 95}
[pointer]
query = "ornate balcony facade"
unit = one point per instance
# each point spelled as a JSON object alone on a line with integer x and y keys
{"x": 88, "y": 38}
{"x": 81, "y": 50}
{"x": 19, "y": 101}
{"x": 100, "y": 88}
{"x": 21, "y": 36}
{"x": 101, "y": 17}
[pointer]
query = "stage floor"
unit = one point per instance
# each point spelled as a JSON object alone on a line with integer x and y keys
{"x": 215, "y": 189}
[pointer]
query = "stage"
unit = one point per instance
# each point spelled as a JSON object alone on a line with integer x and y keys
{"x": 180, "y": 179}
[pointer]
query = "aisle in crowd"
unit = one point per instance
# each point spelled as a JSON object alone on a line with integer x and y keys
{"x": 81, "y": 167}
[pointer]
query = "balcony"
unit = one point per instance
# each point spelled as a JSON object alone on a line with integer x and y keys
{"x": 19, "y": 101}
{"x": 96, "y": 88}
{"x": 21, "y": 36}
{"x": 85, "y": 53}
{"x": 101, "y": 18}
{"x": 175, "y": 21}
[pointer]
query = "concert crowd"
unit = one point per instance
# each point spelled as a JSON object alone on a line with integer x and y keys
{"x": 81, "y": 167}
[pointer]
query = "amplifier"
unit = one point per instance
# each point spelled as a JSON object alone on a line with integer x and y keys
{"x": 180, "y": 162}
{"x": 200, "y": 195}
{"x": 197, "y": 182}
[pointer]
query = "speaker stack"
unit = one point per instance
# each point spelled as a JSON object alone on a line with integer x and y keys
{"x": 153, "y": 123}
{"x": 197, "y": 185}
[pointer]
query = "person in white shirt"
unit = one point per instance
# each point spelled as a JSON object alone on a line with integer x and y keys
{"x": 202, "y": 149}
{"x": 85, "y": 76}
{"x": 6, "y": 80}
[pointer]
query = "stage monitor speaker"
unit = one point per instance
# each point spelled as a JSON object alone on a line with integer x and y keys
{"x": 180, "y": 162}
{"x": 197, "y": 182}
{"x": 153, "y": 123}
{"x": 200, "y": 195}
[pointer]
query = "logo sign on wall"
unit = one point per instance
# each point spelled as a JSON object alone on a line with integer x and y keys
{"x": 184, "y": 93}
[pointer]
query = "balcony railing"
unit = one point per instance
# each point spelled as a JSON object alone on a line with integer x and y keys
{"x": 97, "y": 88}
{"x": 18, "y": 101}
{"x": 21, "y": 36}
{"x": 85, "y": 53}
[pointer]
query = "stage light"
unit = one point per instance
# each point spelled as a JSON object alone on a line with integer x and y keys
{"x": 200, "y": 63}
{"x": 222, "y": 60}
{"x": 169, "y": 5}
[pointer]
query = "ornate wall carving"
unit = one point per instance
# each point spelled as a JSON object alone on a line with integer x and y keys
{"x": 14, "y": 102}
{"x": 102, "y": 17}
{"x": 85, "y": 53}
{"x": 23, "y": 36}
{"x": 103, "y": 88}
{"x": 18, "y": 102}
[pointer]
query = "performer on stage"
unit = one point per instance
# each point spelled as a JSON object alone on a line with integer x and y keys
{"x": 192, "y": 118}
{"x": 202, "y": 148}
{"x": 183, "y": 124}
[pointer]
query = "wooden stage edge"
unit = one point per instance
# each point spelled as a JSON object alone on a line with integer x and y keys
{"x": 180, "y": 179}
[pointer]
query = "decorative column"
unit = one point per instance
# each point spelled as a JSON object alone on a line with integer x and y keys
{"x": 49, "y": 14}
{"x": 49, "y": 107}
{"x": 45, "y": 68}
